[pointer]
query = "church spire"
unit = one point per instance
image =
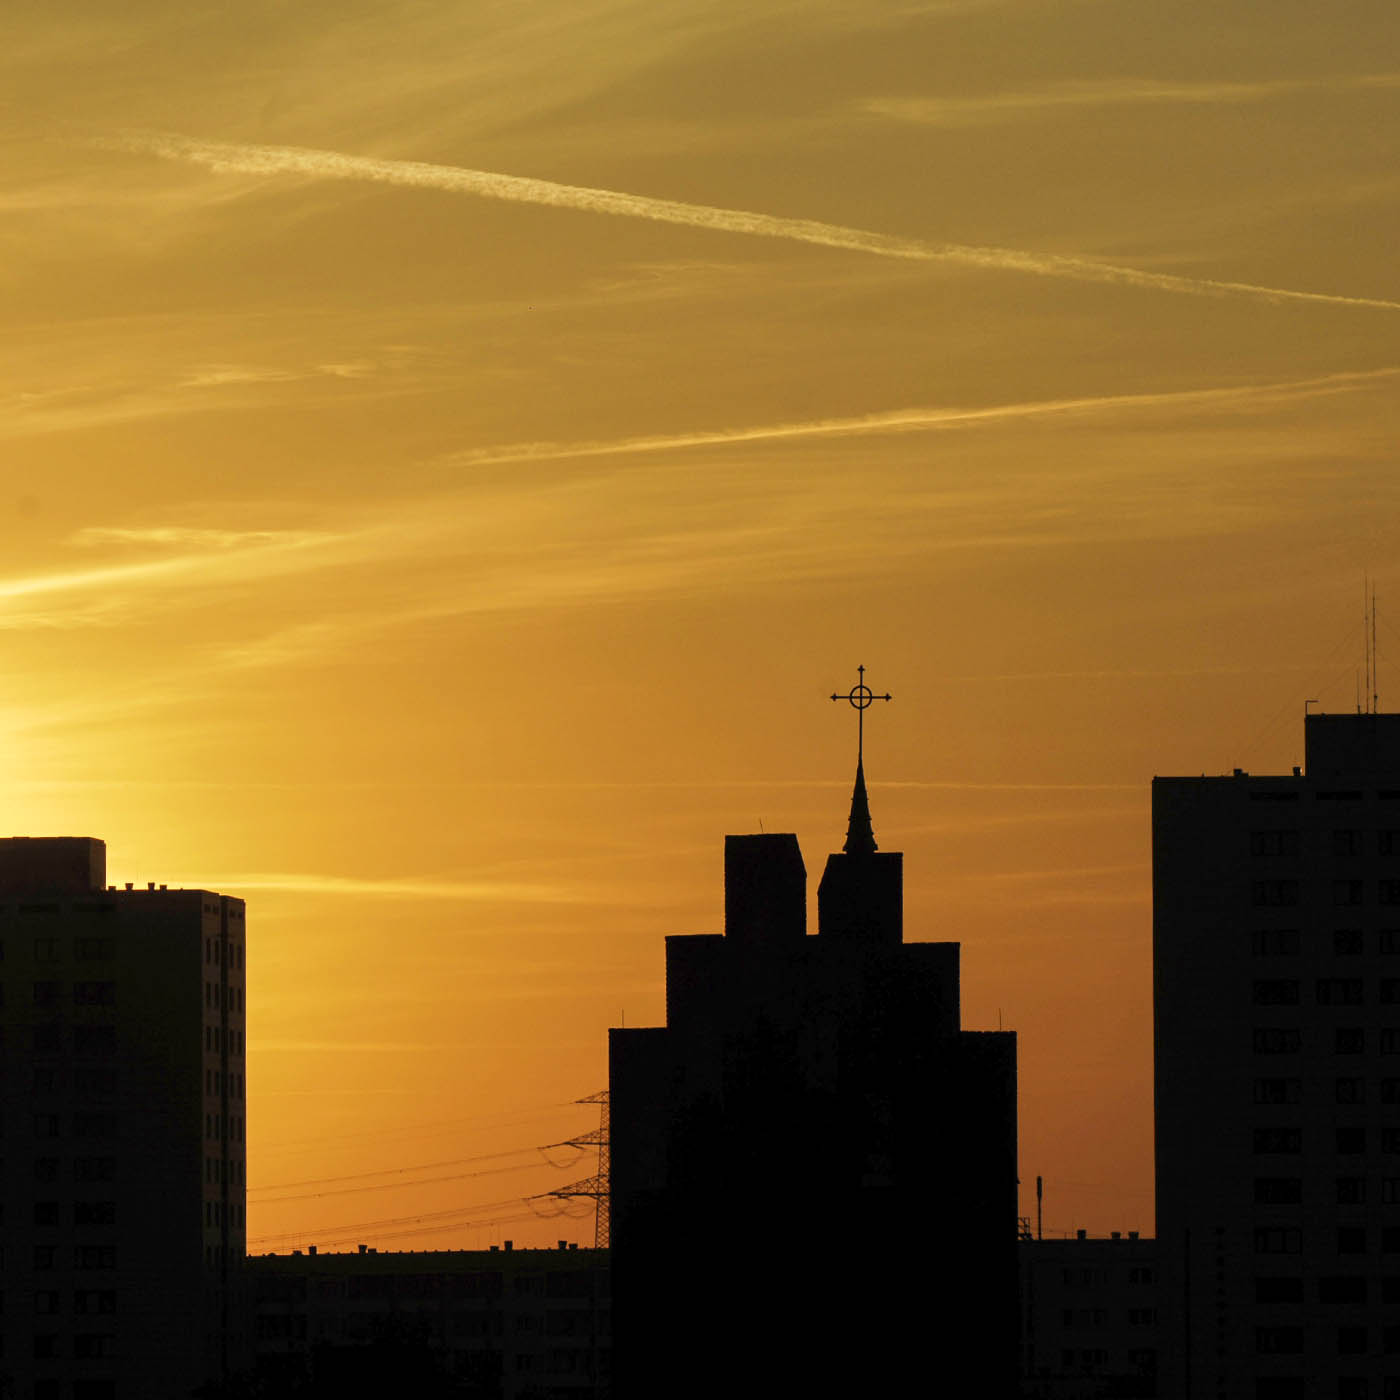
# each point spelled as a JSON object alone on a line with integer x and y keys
{"x": 860, "y": 832}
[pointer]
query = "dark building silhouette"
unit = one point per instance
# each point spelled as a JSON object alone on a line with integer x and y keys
{"x": 497, "y": 1324}
{"x": 813, "y": 1165}
{"x": 1089, "y": 1318}
{"x": 121, "y": 1104}
{"x": 1276, "y": 959}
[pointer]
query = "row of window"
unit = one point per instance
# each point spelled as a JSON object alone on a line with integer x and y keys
{"x": 1098, "y": 1317}
{"x": 52, "y": 1038}
{"x": 91, "y": 1081}
{"x": 1346, "y": 1089}
{"x": 1349, "y": 1190}
{"x": 215, "y": 1213}
{"x": 215, "y": 1082}
{"x": 1344, "y": 841}
{"x": 1082, "y": 1277}
{"x": 1348, "y": 1388}
{"x": 85, "y": 949}
{"x": 84, "y": 1125}
{"x": 49, "y": 993}
{"x": 216, "y": 1040}
{"x": 214, "y": 953}
{"x": 1350, "y": 1239}
{"x": 85, "y": 1257}
{"x": 87, "y": 1346}
{"x": 84, "y": 1168}
{"x": 218, "y": 1171}
{"x": 1349, "y": 893}
{"x": 87, "y": 1302}
{"x": 1327, "y": 991}
{"x": 84, "y": 1212}
{"x": 1346, "y": 942}
{"x": 1351, "y": 1340}
{"x": 217, "y": 1127}
{"x": 223, "y": 998}
{"x": 1346, "y": 1040}
{"x": 1346, "y": 1288}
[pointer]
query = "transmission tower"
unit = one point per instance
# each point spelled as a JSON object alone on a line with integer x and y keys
{"x": 597, "y": 1187}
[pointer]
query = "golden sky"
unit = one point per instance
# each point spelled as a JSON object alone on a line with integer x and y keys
{"x": 451, "y": 451}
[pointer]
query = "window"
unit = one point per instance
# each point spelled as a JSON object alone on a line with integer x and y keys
{"x": 46, "y": 1212}
{"x": 44, "y": 1257}
{"x": 46, "y": 1301}
{"x": 1388, "y": 891}
{"x": 1388, "y": 843}
{"x": 1278, "y": 1290}
{"x": 1275, "y": 991}
{"x": 96, "y": 1256}
{"x": 1273, "y": 843}
{"x": 1351, "y": 1190}
{"x": 46, "y": 1125}
{"x": 1390, "y": 991}
{"x": 1390, "y": 1040}
{"x": 1390, "y": 941}
{"x": 1141, "y": 1274}
{"x": 1348, "y": 942}
{"x": 47, "y": 993}
{"x": 1351, "y": 1340}
{"x": 1276, "y": 1090}
{"x": 1284, "y": 1141}
{"x": 1349, "y": 1040}
{"x": 1348, "y": 893}
{"x": 1350, "y": 1089}
{"x": 95, "y": 1302}
{"x": 48, "y": 1039}
{"x": 89, "y": 1345}
{"x": 92, "y": 949}
{"x": 1390, "y": 1239}
{"x": 95, "y": 1213}
{"x": 1142, "y": 1317}
{"x": 1278, "y": 1341}
{"x": 47, "y": 950}
{"x": 1347, "y": 843}
{"x": 1277, "y": 1040}
{"x": 1390, "y": 1139}
{"x": 1278, "y": 1190}
{"x": 1351, "y": 1142}
{"x": 94, "y": 1040}
{"x": 94, "y": 1168}
{"x": 1351, "y": 1239}
{"x": 1340, "y": 991}
{"x": 1277, "y": 1240}
{"x": 1390, "y": 1090}
{"x": 46, "y": 1169}
{"x": 1390, "y": 1190}
{"x": 95, "y": 993}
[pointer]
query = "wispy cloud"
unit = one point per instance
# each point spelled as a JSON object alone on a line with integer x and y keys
{"x": 984, "y": 108}
{"x": 333, "y": 165}
{"x": 347, "y": 886}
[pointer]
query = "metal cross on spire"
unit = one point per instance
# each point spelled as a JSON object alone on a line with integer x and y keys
{"x": 861, "y": 697}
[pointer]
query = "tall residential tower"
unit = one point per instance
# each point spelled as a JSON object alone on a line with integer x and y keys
{"x": 1276, "y": 954}
{"x": 122, "y": 1109}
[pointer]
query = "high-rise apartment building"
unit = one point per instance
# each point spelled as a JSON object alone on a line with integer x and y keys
{"x": 1276, "y": 954}
{"x": 122, "y": 1113}
{"x": 813, "y": 1164}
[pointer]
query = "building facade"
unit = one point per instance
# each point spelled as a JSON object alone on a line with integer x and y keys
{"x": 481, "y": 1324}
{"x": 1089, "y": 1318}
{"x": 122, "y": 1110}
{"x": 813, "y": 1165}
{"x": 1276, "y": 974}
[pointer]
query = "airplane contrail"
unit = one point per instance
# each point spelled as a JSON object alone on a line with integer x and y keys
{"x": 487, "y": 184}
{"x": 905, "y": 420}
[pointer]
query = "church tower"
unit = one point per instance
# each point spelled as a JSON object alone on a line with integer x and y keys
{"x": 813, "y": 1165}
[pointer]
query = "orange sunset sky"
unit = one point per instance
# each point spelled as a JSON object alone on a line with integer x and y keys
{"x": 452, "y": 451}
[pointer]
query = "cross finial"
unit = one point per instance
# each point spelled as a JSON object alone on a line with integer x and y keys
{"x": 861, "y": 697}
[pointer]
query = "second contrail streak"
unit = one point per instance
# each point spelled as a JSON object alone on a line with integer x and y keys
{"x": 332, "y": 165}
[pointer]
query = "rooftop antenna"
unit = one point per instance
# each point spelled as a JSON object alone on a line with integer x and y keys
{"x": 1375, "y": 659}
{"x": 1366, "y": 635}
